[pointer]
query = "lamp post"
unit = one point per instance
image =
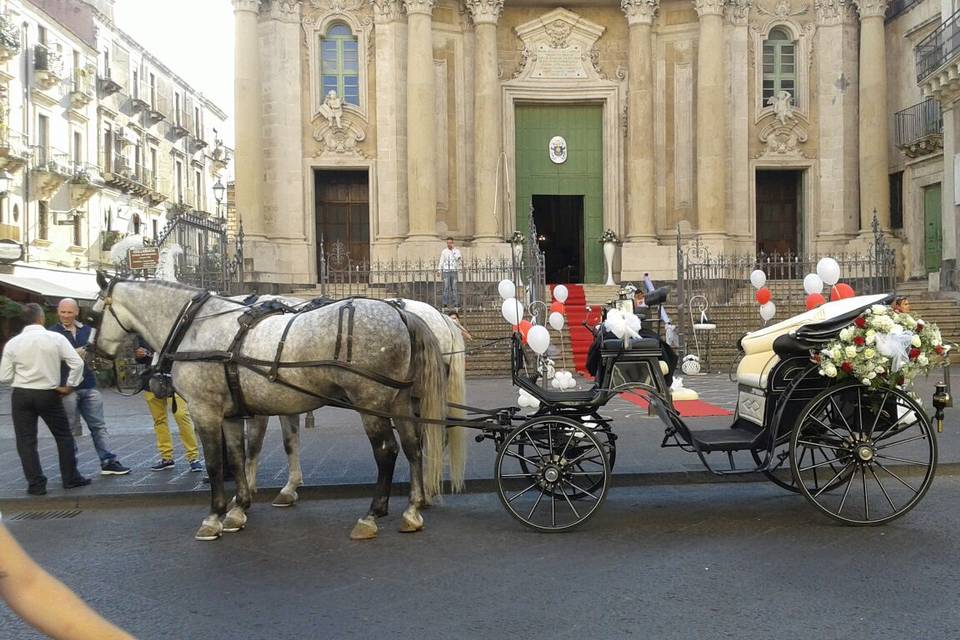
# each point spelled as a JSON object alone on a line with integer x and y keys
{"x": 218, "y": 192}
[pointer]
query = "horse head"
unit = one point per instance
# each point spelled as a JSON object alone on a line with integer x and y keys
{"x": 108, "y": 331}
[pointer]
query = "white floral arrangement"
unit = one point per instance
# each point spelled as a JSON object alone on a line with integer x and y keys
{"x": 609, "y": 236}
{"x": 884, "y": 348}
{"x": 517, "y": 238}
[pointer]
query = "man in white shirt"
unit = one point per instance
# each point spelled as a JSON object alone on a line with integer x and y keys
{"x": 31, "y": 362}
{"x": 450, "y": 262}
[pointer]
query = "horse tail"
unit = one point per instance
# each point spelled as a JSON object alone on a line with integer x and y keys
{"x": 429, "y": 386}
{"x": 457, "y": 394}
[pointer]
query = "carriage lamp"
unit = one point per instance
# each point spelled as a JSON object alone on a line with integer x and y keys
{"x": 941, "y": 400}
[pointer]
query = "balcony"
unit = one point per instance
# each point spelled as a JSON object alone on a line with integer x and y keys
{"x": 81, "y": 93}
{"x": 920, "y": 129}
{"x": 178, "y": 130}
{"x": 14, "y": 150}
{"x": 142, "y": 178}
{"x": 47, "y": 66}
{"x": 107, "y": 85}
{"x": 84, "y": 184}
{"x": 49, "y": 170}
{"x": 197, "y": 143}
{"x": 117, "y": 172}
{"x": 9, "y": 38}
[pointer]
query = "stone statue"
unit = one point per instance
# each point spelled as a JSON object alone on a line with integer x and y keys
{"x": 332, "y": 109}
{"x": 782, "y": 106}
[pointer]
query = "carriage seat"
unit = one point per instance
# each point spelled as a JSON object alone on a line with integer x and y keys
{"x": 635, "y": 344}
{"x": 754, "y": 369}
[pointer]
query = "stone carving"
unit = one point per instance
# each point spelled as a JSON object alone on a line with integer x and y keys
{"x": 739, "y": 11}
{"x": 831, "y": 12}
{"x": 484, "y": 11}
{"x": 784, "y": 132}
{"x": 639, "y": 11}
{"x": 872, "y": 8}
{"x": 782, "y": 107}
{"x": 285, "y": 10}
{"x": 332, "y": 109}
{"x": 340, "y": 141}
{"x": 386, "y": 10}
{"x": 709, "y": 7}
{"x": 526, "y": 56}
{"x": 595, "y": 61}
{"x": 782, "y": 10}
{"x": 419, "y": 6}
{"x": 338, "y": 6}
{"x": 559, "y": 45}
{"x": 558, "y": 31}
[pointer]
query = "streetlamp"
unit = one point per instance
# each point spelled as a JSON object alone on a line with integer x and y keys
{"x": 218, "y": 192}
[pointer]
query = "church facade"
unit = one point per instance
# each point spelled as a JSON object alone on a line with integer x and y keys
{"x": 385, "y": 126}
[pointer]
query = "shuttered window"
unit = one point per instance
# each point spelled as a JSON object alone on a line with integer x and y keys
{"x": 779, "y": 65}
{"x": 339, "y": 63}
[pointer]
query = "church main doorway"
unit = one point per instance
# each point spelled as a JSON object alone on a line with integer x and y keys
{"x": 559, "y": 221}
{"x": 342, "y": 201}
{"x": 779, "y": 217}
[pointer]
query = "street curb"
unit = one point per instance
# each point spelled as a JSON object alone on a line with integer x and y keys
{"x": 357, "y": 490}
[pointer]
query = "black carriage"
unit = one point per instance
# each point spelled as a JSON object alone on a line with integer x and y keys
{"x": 860, "y": 455}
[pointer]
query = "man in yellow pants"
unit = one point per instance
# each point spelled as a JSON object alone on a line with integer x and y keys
{"x": 158, "y": 409}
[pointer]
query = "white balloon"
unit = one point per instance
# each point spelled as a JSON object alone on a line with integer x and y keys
{"x": 633, "y": 322}
{"x": 512, "y": 310}
{"x": 506, "y": 289}
{"x": 615, "y": 325}
{"x": 556, "y": 320}
{"x": 560, "y": 293}
{"x": 555, "y": 383}
{"x": 539, "y": 339}
{"x": 812, "y": 284}
{"x": 767, "y": 311}
{"x": 758, "y": 278}
{"x": 829, "y": 271}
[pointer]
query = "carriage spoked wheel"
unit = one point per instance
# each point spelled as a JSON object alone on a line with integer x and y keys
{"x": 781, "y": 474}
{"x": 609, "y": 447}
{"x": 879, "y": 453}
{"x": 552, "y": 474}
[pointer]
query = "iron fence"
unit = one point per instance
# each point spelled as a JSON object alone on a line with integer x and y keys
{"x": 723, "y": 281}
{"x": 203, "y": 260}
{"x": 918, "y": 121}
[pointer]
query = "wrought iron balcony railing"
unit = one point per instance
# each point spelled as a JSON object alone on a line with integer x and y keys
{"x": 938, "y": 48}
{"x": 919, "y": 128}
{"x": 9, "y": 34}
{"x": 46, "y": 59}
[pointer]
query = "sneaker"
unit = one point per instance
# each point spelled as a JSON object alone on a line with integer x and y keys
{"x": 114, "y": 468}
{"x": 196, "y": 466}
{"x": 163, "y": 465}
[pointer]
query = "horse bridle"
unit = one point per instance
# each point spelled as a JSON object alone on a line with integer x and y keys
{"x": 95, "y": 318}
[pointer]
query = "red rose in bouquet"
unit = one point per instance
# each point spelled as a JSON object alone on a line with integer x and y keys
{"x": 860, "y": 322}
{"x": 846, "y": 367}
{"x": 859, "y": 341}
{"x": 914, "y": 353}
{"x": 939, "y": 349}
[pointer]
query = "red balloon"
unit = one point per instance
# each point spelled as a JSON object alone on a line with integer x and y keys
{"x": 525, "y": 326}
{"x": 840, "y": 291}
{"x": 558, "y": 307}
{"x": 814, "y": 300}
{"x": 764, "y": 295}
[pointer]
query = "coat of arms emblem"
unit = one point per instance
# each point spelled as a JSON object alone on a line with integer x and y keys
{"x": 558, "y": 150}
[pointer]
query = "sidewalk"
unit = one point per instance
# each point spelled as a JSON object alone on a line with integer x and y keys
{"x": 336, "y": 455}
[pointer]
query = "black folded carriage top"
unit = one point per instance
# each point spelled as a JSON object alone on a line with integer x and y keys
{"x": 814, "y": 336}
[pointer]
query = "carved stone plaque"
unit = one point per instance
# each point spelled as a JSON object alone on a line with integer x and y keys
{"x": 559, "y": 63}
{"x": 557, "y": 46}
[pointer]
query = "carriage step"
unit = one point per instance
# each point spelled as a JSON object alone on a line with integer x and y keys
{"x": 725, "y": 439}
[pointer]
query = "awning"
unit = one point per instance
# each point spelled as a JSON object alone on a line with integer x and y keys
{"x": 54, "y": 285}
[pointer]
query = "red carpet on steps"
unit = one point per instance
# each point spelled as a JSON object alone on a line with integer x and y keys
{"x": 686, "y": 408}
{"x": 580, "y": 337}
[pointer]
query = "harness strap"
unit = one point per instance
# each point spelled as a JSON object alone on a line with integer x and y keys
{"x": 346, "y": 310}
{"x": 283, "y": 341}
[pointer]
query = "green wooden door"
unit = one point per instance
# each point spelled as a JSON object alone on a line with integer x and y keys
{"x": 581, "y": 175}
{"x": 932, "y": 228}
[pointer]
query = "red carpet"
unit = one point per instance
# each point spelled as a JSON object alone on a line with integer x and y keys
{"x": 580, "y": 337}
{"x": 686, "y": 408}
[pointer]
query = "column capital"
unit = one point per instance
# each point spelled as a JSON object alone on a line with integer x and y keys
{"x": 639, "y": 11}
{"x": 252, "y": 6}
{"x": 709, "y": 7}
{"x": 738, "y": 11}
{"x": 424, "y": 7}
{"x": 871, "y": 8}
{"x": 386, "y": 10}
{"x": 284, "y": 10}
{"x": 484, "y": 11}
{"x": 832, "y": 12}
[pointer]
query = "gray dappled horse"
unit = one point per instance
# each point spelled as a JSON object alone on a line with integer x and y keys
{"x": 450, "y": 338}
{"x": 388, "y": 343}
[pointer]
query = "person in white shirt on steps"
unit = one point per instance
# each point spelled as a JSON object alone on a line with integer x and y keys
{"x": 450, "y": 262}
{"x": 31, "y": 362}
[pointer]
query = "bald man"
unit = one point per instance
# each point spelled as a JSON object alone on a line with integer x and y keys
{"x": 86, "y": 400}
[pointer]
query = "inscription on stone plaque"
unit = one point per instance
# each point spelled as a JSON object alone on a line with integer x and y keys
{"x": 559, "y": 63}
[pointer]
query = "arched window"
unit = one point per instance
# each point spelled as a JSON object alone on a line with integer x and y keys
{"x": 339, "y": 66}
{"x": 779, "y": 65}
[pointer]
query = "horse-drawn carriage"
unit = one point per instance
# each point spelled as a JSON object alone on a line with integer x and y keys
{"x": 862, "y": 455}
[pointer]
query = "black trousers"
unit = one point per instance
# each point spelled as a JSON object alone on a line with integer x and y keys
{"x": 28, "y": 405}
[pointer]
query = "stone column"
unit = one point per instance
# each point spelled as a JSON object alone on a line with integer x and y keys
{"x": 248, "y": 131}
{"x": 640, "y": 172}
{"x": 837, "y": 93}
{"x": 487, "y": 129}
{"x": 948, "y": 208}
{"x": 391, "y": 198}
{"x": 711, "y": 122}
{"x": 421, "y": 145}
{"x": 738, "y": 223}
{"x": 874, "y": 184}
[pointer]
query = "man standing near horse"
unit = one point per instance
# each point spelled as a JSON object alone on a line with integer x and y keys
{"x": 31, "y": 362}
{"x": 85, "y": 400}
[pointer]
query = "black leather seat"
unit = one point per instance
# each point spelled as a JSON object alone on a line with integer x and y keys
{"x": 635, "y": 344}
{"x": 788, "y": 345}
{"x": 827, "y": 330}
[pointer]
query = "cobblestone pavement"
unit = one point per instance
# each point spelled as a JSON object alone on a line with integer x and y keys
{"x": 337, "y": 452}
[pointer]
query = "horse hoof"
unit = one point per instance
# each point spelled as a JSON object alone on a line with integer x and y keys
{"x": 235, "y": 521}
{"x": 211, "y": 529}
{"x": 286, "y": 499}
{"x": 411, "y": 523}
{"x": 365, "y": 529}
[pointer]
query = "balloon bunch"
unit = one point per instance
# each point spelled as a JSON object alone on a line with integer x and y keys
{"x": 622, "y": 325}
{"x": 763, "y": 296}
{"x": 537, "y": 336}
{"x": 527, "y": 400}
{"x": 563, "y": 380}
{"x": 828, "y": 273}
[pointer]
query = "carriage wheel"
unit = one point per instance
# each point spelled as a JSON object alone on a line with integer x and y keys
{"x": 552, "y": 474}
{"x": 878, "y": 446}
{"x": 609, "y": 448}
{"x": 780, "y": 467}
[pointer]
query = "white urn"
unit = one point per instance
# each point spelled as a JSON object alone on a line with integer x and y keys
{"x": 609, "y": 248}
{"x": 518, "y": 261}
